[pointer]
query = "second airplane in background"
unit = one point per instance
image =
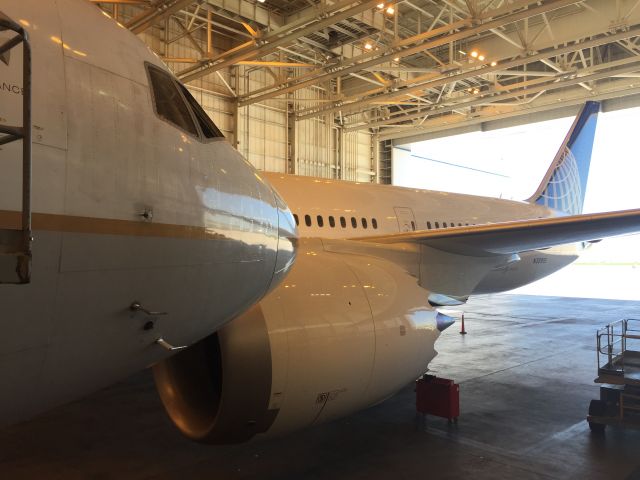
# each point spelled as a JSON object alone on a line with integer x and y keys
{"x": 357, "y": 317}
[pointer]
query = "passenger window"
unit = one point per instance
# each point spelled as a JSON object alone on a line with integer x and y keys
{"x": 320, "y": 221}
{"x": 343, "y": 222}
{"x": 167, "y": 101}
{"x": 354, "y": 222}
{"x": 206, "y": 124}
{"x": 332, "y": 221}
{"x": 459, "y": 224}
{"x": 374, "y": 223}
{"x": 307, "y": 220}
{"x": 444, "y": 224}
{"x": 413, "y": 225}
{"x": 437, "y": 225}
{"x": 364, "y": 222}
{"x": 429, "y": 225}
{"x": 295, "y": 217}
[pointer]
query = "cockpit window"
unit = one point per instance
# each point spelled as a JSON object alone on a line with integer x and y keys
{"x": 168, "y": 102}
{"x": 206, "y": 124}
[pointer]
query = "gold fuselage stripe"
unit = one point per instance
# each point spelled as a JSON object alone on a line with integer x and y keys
{"x": 10, "y": 220}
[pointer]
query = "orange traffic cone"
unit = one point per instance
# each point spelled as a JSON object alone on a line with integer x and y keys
{"x": 462, "y": 330}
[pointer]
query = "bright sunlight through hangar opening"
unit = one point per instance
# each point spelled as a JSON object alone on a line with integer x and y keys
{"x": 511, "y": 162}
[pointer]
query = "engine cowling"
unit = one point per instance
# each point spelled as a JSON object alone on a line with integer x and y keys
{"x": 341, "y": 333}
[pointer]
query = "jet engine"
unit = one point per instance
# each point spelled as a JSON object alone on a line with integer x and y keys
{"x": 342, "y": 332}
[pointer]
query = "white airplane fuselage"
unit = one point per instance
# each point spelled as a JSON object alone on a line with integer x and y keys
{"x": 352, "y": 323}
{"x": 384, "y": 209}
{"x": 358, "y": 316}
{"x": 347, "y": 328}
{"x": 127, "y": 208}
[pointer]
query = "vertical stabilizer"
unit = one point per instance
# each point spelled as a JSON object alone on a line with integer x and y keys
{"x": 565, "y": 183}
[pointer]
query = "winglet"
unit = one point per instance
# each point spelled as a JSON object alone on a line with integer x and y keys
{"x": 565, "y": 183}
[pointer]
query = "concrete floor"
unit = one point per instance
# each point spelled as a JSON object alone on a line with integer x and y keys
{"x": 525, "y": 368}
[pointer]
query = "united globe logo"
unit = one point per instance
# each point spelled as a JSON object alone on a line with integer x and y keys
{"x": 563, "y": 192}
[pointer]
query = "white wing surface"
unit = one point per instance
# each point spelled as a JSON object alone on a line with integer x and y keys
{"x": 519, "y": 236}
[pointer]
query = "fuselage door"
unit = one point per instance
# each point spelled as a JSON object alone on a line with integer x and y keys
{"x": 406, "y": 220}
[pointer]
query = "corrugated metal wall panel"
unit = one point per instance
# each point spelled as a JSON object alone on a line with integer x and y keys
{"x": 364, "y": 168}
{"x": 262, "y": 128}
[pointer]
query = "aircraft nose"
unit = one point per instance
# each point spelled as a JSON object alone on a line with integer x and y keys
{"x": 287, "y": 241}
{"x": 256, "y": 232}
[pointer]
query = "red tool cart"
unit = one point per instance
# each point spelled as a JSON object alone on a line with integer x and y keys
{"x": 439, "y": 397}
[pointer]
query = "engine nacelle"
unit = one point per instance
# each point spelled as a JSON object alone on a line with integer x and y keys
{"x": 341, "y": 333}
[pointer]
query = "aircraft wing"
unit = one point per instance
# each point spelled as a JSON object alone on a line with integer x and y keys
{"x": 453, "y": 261}
{"x": 519, "y": 236}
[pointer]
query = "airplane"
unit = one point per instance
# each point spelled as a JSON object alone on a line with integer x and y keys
{"x": 129, "y": 227}
{"x": 358, "y": 316}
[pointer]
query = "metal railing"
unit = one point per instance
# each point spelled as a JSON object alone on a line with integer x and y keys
{"x": 613, "y": 341}
{"x": 10, "y": 134}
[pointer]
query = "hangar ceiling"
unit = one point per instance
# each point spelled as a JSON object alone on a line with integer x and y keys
{"x": 398, "y": 69}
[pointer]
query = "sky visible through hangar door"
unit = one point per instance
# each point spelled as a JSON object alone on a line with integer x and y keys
{"x": 510, "y": 163}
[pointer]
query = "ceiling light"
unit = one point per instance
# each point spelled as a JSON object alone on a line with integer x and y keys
{"x": 481, "y": 58}
{"x": 397, "y": 59}
{"x": 474, "y": 54}
{"x": 476, "y": 91}
{"x": 391, "y": 10}
{"x": 494, "y": 63}
{"x": 368, "y": 46}
{"x": 261, "y": 1}
{"x": 380, "y": 6}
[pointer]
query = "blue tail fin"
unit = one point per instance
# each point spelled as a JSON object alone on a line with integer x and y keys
{"x": 565, "y": 183}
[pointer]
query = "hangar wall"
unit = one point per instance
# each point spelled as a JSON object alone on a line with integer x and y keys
{"x": 263, "y": 132}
